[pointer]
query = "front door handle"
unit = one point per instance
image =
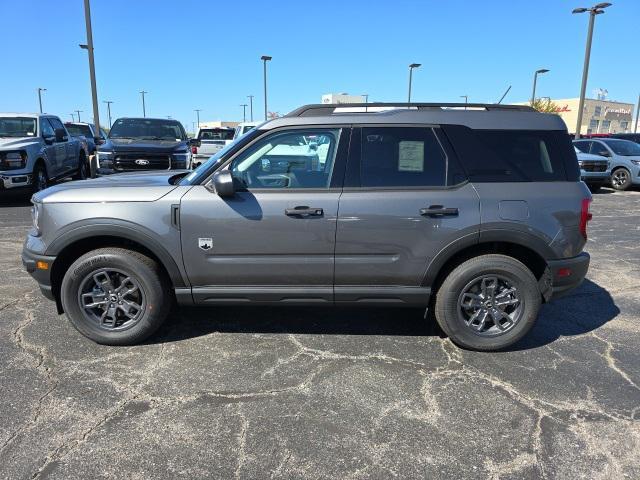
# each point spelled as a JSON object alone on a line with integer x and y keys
{"x": 304, "y": 211}
{"x": 439, "y": 211}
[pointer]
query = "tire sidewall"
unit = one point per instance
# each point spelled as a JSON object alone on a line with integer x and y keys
{"x": 36, "y": 173}
{"x": 627, "y": 184}
{"x": 156, "y": 298}
{"x": 447, "y": 301}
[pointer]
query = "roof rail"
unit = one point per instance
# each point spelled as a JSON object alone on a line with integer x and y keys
{"x": 316, "y": 110}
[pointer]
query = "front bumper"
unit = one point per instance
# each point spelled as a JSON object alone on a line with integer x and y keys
{"x": 567, "y": 273}
{"x": 595, "y": 177}
{"x": 14, "y": 180}
{"x": 33, "y": 264}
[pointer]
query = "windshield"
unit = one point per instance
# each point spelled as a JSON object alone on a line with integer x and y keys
{"x": 147, "y": 129}
{"x": 215, "y": 134}
{"x": 17, "y": 127}
{"x": 623, "y": 147}
{"x": 77, "y": 130}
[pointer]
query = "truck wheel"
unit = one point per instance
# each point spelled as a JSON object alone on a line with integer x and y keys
{"x": 40, "y": 179}
{"x": 83, "y": 168}
{"x": 115, "y": 296}
{"x": 620, "y": 179}
{"x": 488, "y": 302}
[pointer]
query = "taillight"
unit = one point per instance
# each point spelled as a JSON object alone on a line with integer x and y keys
{"x": 585, "y": 216}
{"x": 194, "y": 150}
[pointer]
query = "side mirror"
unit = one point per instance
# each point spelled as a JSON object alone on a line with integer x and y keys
{"x": 223, "y": 183}
{"x": 61, "y": 135}
{"x": 98, "y": 140}
{"x": 194, "y": 142}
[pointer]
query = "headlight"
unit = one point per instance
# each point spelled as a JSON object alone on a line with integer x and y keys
{"x": 13, "y": 160}
{"x": 104, "y": 158}
{"x": 635, "y": 162}
{"x": 580, "y": 162}
{"x": 36, "y": 211}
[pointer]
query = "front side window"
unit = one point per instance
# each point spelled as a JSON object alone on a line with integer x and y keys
{"x": 17, "y": 127}
{"x": 402, "y": 157}
{"x": 45, "y": 128}
{"x": 56, "y": 124}
{"x": 289, "y": 159}
{"x": 584, "y": 147}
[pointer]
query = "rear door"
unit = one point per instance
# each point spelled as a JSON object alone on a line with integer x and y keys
{"x": 405, "y": 199}
{"x": 274, "y": 240}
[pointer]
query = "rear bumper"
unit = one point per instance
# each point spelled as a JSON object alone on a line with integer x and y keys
{"x": 42, "y": 276}
{"x": 568, "y": 273}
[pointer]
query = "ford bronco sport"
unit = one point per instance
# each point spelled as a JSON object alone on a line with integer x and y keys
{"x": 478, "y": 215}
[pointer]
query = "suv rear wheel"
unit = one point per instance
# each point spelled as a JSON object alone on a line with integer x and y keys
{"x": 488, "y": 302}
{"x": 115, "y": 296}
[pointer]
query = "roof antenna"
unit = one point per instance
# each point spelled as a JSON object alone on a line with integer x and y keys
{"x": 505, "y": 94}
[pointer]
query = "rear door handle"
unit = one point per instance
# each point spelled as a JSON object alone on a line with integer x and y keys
{"x": 439, "y": 211}
{"x": 304, "y": 211}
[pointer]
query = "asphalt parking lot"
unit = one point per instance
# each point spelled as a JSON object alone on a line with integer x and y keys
{"x": 327, "y": 393}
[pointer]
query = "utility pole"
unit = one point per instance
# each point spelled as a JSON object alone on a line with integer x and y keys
{"x": 108, "y": 102}
{"x": 40, "y": 90}
{"x": 265, "y": 59}
{"x": 250, "y": 97}
{"x": 78, "y": 112}
{"x": 144, "y": 109}
{"x": 73, "y": 119}
{"x": 244, "y": 112}
{"x": 92, "y": 67}
{"x": 198, "y": 110}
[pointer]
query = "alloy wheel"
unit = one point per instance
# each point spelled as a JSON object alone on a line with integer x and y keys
{"x": 619, "y": 178}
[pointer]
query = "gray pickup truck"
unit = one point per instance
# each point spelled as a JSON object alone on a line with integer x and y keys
{"x": 36, "y": 149}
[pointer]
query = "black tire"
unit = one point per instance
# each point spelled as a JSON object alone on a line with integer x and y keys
{"x": 39, "y": 179}
{"x": 83, "y": 168}
{"x": 621, "y": 179}
{"x": 594, "y": 187}
{"x": 452, "y": 316}
{"x": 152, "y": 295}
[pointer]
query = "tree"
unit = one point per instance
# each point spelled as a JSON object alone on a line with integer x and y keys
{"x": 545, "y": 105}
{"x": 272, "y": 115}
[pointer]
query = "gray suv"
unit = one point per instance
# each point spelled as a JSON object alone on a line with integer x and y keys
{"x": 476, "y": 214}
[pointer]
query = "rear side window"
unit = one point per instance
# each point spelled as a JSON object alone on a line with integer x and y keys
{"x": 402, "y": 157}
{"x": 514, "y": 155}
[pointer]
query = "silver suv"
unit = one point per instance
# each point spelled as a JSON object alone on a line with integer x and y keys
{"x": 476, "y": 214}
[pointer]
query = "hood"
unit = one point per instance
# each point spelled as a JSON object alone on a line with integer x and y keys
{"x": 124, "y": 145}
{"x": 122, "y": 187}
{"x": 13, "y": 142}
{"x": 591, "y": 157}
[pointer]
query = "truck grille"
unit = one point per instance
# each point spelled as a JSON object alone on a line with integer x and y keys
{"x": 594, "y": 166}
{"x": 141, "y": 161}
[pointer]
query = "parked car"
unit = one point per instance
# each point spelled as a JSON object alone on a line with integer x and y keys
{"x": 135, "y": 144}
{"x": 634, "y": 137}
{"x": 624, "y": 156}
{"x": 243, "y": 128}
{"x": 36, "y": 149}
{"x": 477, "y": 215}
{"x": 88, "y": 131}
{"x": 211, "y": 141}
{"x": 595, "y": 170}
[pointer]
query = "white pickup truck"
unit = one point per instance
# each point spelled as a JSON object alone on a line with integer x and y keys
{"x": 211, "y": 141}
{"x": 36, "y": 149}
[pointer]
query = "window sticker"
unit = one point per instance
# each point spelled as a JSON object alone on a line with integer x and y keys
{"x": 410, "y": 156}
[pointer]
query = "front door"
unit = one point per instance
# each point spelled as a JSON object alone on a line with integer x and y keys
{"x": 56, "y": 152}
{"x": 274, "y": 240}
{"x": 404, "y": 201}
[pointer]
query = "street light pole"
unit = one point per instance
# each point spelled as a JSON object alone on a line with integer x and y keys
{"x": 466, "y": 100}
{"x": 198, "y": 110}
{"x": 411, "y": 67}
{"x": 250, "y": 97}
{"x": 73, "y": 119}
{"x": 40, "y": 90}
{"x": 144, "y": 109}
{"x": 78, "y": 112}
{"x": 635, "y": 128}
{"x": 535, "y": 80}
{"x": 108, "y": 102}
{"x": 244, "y": 111}
{"x": 366, "y": 101}
{"x": 92, "y": 67}
{"x": 265, "y": 59}
{"x": 593, "y": 11}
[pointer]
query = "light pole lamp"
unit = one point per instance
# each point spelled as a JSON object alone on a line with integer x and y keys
{"x": 265, "y": 59}
{"x": 144, "y": 108}
{"x": 250, "y": 97}
{"x": 411, "y": 67}
{"x": 108, "y": 102}
{"x": 535, "y": 80}
{"x": 593, "y": 11}
{"x": 40, "y": 90}
{"x": 244, "y": 111}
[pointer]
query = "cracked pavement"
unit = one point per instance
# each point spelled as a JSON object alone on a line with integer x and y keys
{"x": 327, "y": 393}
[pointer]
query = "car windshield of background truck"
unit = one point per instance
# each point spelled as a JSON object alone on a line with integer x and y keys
{"x": 17, "y": 127}
{"x": 147, "y": 129}
{"x": 625, "y": 148}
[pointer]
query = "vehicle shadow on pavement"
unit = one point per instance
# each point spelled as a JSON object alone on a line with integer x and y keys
{"x": 15, "y": 199}
{"x": 586, "y": 309}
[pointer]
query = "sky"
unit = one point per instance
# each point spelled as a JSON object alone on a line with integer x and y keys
{"x": 198, "y": 54}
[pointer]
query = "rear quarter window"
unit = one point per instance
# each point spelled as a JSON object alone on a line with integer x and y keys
{"x": 514, "y": 155}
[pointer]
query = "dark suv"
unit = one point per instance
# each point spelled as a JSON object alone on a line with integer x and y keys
{"x": 476, "y": 213}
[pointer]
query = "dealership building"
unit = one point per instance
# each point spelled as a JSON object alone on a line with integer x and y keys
{"x": 599, "y": 116}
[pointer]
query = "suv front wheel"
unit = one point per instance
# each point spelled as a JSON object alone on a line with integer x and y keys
{"x": 488, "y": 302}
{"x": 115, "y": 296}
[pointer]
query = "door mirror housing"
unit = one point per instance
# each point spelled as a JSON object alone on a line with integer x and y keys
{"x": 98, "y": 140}
{"x": 223, "y": 183}
{"x": 61, "y": 135}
